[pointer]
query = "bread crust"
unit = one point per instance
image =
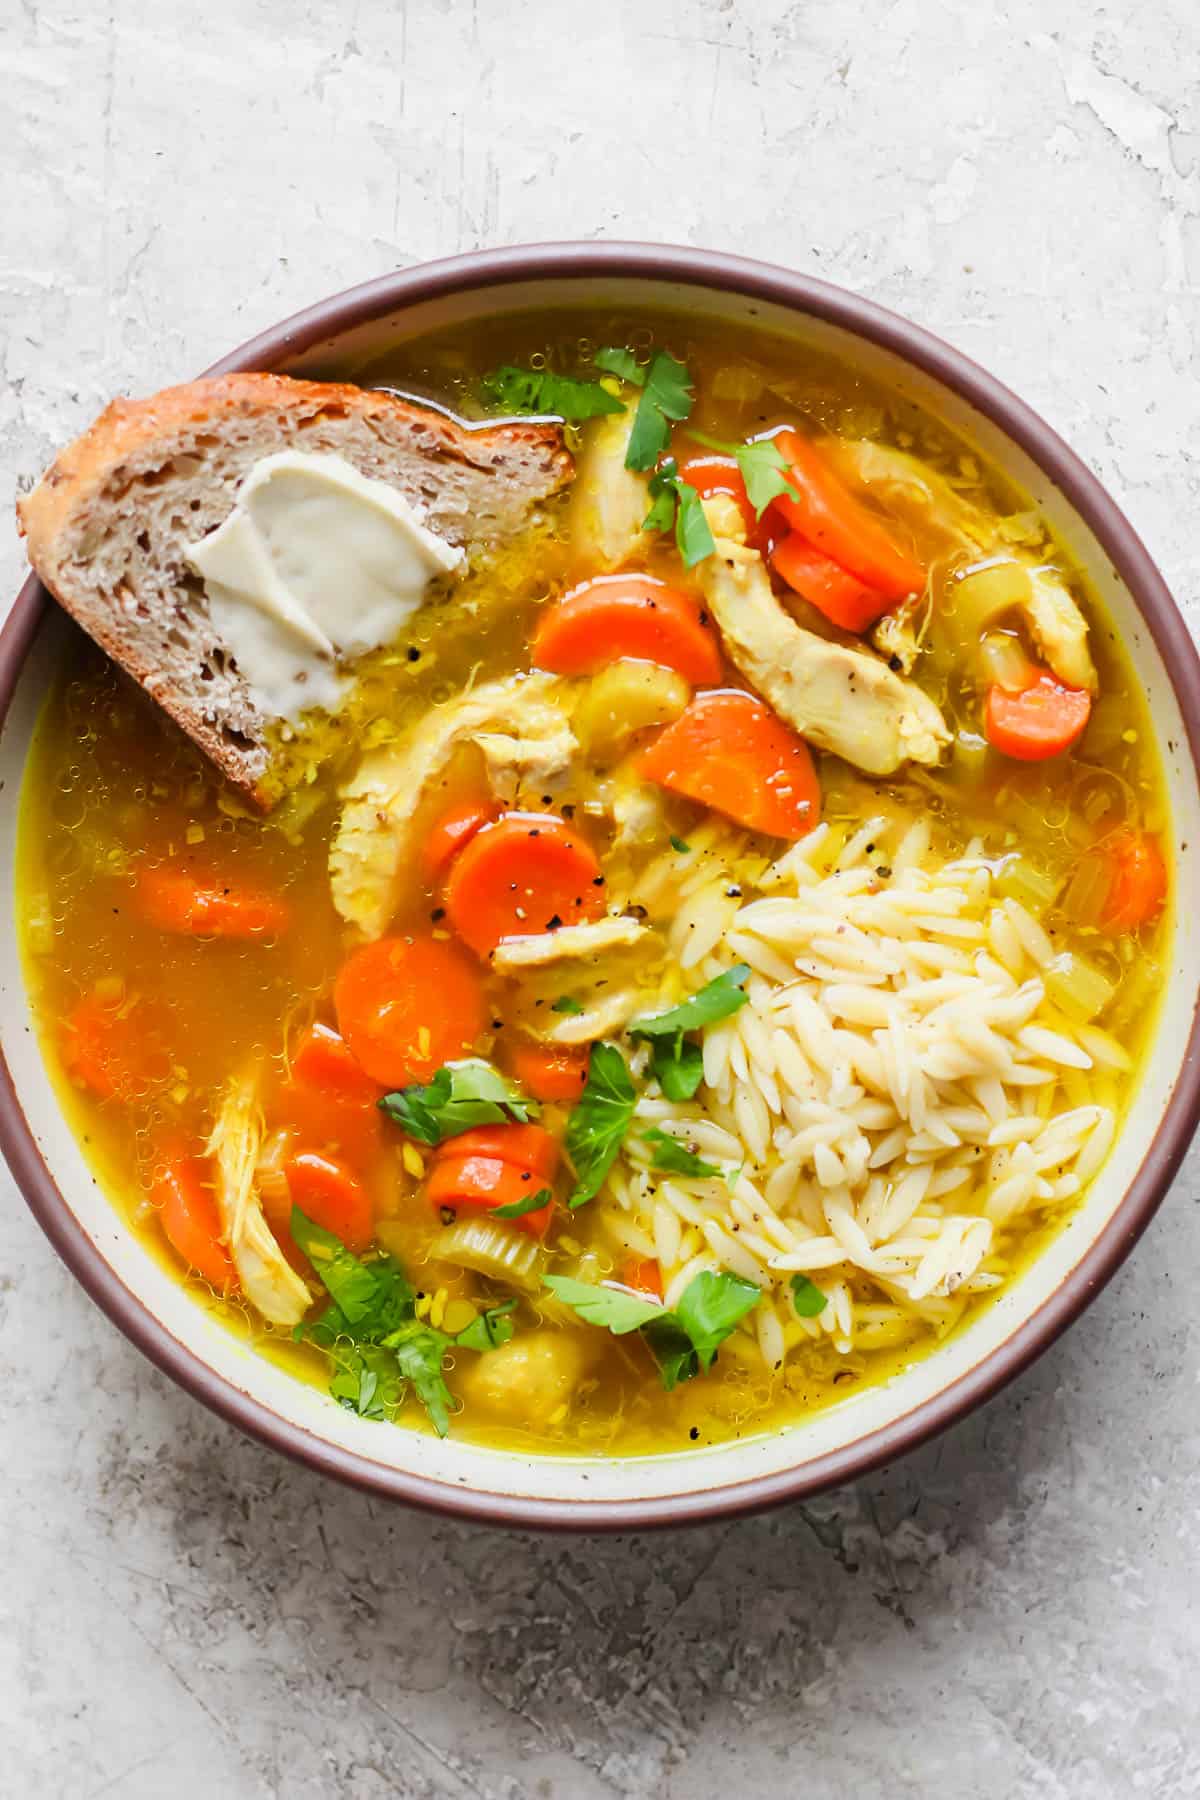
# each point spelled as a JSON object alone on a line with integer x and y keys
{"x": 475, "y": 483}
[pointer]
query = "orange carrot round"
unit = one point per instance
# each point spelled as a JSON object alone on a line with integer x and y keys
{"x": 484, "y": 1181}
{"x": 526, "y": 873}
{"x": 446, "y": 837}
{"x": 631, "y": 616}
{"x": 642, "y": 1275}
{"x": 710, "y": 475}
{"x": 324, "y": 1060}
{"x": 187, "y": 1211}
{"x": 332, "y": 1196}
{"x": 1039, "y": 721}
{"x": 114, "y": 1046}
{"x": 730, "y": 752}
{"x": 406, "y": 1005}
{"x": 832, "y": 519}
{"x": 524, "y": 1146}
{"x": 190, "y": 904}
{"x": 1139, "y": 884}
{"x": 844, "y": 599}
{"x": 549, "y": 1073}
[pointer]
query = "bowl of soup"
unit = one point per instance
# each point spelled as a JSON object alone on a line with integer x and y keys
{"x": 709, "y": 1005}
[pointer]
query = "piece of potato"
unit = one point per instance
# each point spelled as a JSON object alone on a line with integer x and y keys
{"x": 526, "y": 1380}
{"x": 623, "y": 699}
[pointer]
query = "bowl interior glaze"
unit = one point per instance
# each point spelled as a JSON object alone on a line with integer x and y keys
{"x": 157, "y": 1314}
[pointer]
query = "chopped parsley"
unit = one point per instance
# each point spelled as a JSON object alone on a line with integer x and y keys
{"x": 676, "y": 1158}
{"x": 378, "y": 1347}
{"x": 622, "y": 363}
{"x": 765, "y": 473}
{"x": 666, "y": 399}
{"x": 460, "y": 1096}
{"x": 684, "y": 1341}
{"x": 567, "y": 1004}
{"x": 676, "y": 504}
{"x": 528, "y": 1203}
{"x": 807, "y": 1299}
{"x": 678, "y": 1065}
{"x": 599, "y": 1121}
{"x": 546, "y": 394}
{"x": 680, "y": 844}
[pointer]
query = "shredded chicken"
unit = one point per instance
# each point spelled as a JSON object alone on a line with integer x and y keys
{"x": 522, "y": 727}
{"x": 268, "y": 1280}
{"x": 1059, "y": 630}
{"x": 604, "y": 1018}
{"x": 841, "y": 699}
{"x": 608, "y": 501}
{"x": 569, "y": 941}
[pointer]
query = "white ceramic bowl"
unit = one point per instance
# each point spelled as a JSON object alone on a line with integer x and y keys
{"x": 161, "y": 1318}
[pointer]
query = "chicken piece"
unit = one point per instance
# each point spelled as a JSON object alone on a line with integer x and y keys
{"x": 725, "y": 518}
{"x": 268, "y": 1280}
{"x": 514, "y": 955}
{"x": 604, "y": 1018}
{"x": 608, "y": 501}
{"x": 522, "y": 727}
{"x": 528, "y": 1379}
{"x": 839, "y": 698}
{"x": 1059, "y": 630}
{"x": 897, "y": 637}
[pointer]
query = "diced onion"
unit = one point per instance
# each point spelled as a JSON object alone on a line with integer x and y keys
{"x": 1077, "y": 986}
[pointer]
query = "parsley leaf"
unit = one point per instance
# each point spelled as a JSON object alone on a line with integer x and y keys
{"x": 543, "y": 392}
{"x": 670, "y": 1154}
{"x": 566, "y": 1004}
{"x": 365, "y": 1380}
{"x": 371, "y": 1295}
{"x": 516, "y": 1209}
{"x": 807, "y": 1299}
{"x": 680, "y": 844}
{"x": 614, "y": 1308}
{"x": 683, "y": 1342}
{"x": 675, "y": 502}
{"x": 489, "y": 1330}
{"x": 716, "y": 1000}
{"x": 765, "y": 473}
{"x": 461, "y": 1095}
{"x": 599, "y": 1121}
{"x": 678, "y": 1066}
{"x": 419, "y": 1352}
{"x": 666, "y": 397}
{"x": 622, "y": 363}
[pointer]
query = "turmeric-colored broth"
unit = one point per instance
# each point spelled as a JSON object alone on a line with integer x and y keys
{"x": 112, "y": 788}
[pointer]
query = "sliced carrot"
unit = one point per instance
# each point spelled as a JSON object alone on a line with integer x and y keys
{"x": 332, "y": 1196}
{"x": 525, "y": 1146}
{"x": 631, "y": 616}
{"x": 446, "y": 837}
{"x": 710, "y": 475}
{"x": 1139, "y": 884}
{"x": 832, "y": 519}
{"x": 191, "y": 904}
{"x": 642, "y": 1275}
{"x": 1038, "y": 721}
{"x": 548, "y": 1073}
{"x": 406, "y": 1005}
{"x": 323, "y": 1059}
{"x": 732, "y": 753}
{"x": 525, "y": 873}
{"x": 843, "y": 598}
{"x": 188, "y": 1213}
{"x": 487, "y": 1182}
{"x": 113, "y": 1045}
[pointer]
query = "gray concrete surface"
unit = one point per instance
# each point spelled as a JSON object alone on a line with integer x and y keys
{"x": 1010, "y": 1612}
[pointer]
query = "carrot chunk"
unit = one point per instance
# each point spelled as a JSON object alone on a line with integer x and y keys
{"x": 1139, "y": 884}
{"x": 189, "y": 904}
{"x": 188, "y": 1213}
{"x": 732, "y": 753}
{"x": 549, "y": 1073}
{"x": 1038, "y": 721}
{"x": 828, "y": 516}
{"x": 406, "y": 1005}
{"x": 844, "y": 599}
{"x": 332, "y": 1195}
{"x": 525, "y": 873}
{"x": 710, "y": 475}
{"x": 456, "y": 827}
{"x": 525, "y": 1146}
{"x": 114, "y": 1047}
{"x": 322, "y": 1059}
{"x": 487, "y": 1182}
{"x": 642, "y": 1275}
{"x": 630, "y": 616}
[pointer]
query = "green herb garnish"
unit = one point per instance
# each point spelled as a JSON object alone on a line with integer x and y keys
{"x": 675, "y": 503}
{"x": 716, "y": 1000}
{"x": 807, "y": 1299}
{"x": 677, "y": 1066}
{"x": 680, "y": 844}
{"x": 684, "y": 1341}
{"x": 622, "y": 363}
{"x": 377, "y": 1345}
{"x": 765, "y": 473}
{"x": 542, "y": 392}
{"x": 516, "y": 1209}
{"x": 599, "y": 1121}
{"x": 566, "y": 1004}
{"x": 671, "y": 1155}
{"x": 666, "y": 398}
{"x": 460, "y": 1096}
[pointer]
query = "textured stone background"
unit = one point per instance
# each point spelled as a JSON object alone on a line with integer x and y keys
{"x": 1010, "y": 1612}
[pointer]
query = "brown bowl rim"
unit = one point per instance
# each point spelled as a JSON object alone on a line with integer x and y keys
{"x": 714, "y": 270}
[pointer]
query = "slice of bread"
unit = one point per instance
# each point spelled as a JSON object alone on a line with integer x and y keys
{"x": 107, "y": 524}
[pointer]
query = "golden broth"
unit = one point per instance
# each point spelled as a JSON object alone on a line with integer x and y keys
{"x": 112, "y": 787}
